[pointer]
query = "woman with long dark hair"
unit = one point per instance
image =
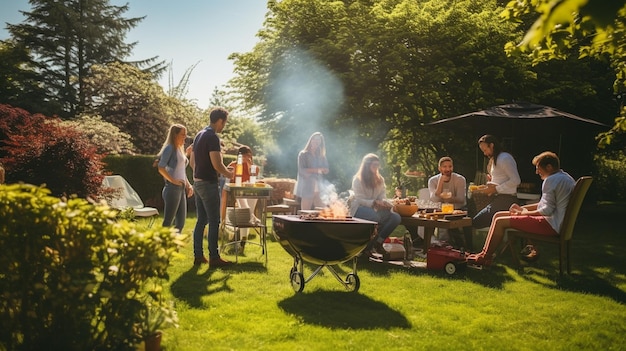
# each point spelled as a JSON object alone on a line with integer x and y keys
{"x": 369, "y": 201}
{"x": 502, "y": 180}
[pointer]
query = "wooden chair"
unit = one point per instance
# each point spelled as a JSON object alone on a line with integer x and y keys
{"x": 563, "y": 240}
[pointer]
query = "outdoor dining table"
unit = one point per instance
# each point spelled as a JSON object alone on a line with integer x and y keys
{"x": 430, "y": 223}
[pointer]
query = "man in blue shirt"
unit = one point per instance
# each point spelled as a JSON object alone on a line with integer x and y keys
{"x": 207, "y": 164}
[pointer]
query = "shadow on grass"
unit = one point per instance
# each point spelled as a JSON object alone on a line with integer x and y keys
{"x": 493, "y": 277}
{"x": 192, "y": 285}
{"x": 343, "y": 310}
{"x": 588, "y": 282}
{"x": 197, "y": 282}
{"x": 597, "y": 258}
{"x": 593, "y": 285}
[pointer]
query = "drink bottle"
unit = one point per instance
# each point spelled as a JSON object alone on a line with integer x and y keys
{"x": 239, "y": 170}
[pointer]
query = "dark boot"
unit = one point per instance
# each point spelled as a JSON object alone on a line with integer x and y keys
{"x": 377, "y": 247}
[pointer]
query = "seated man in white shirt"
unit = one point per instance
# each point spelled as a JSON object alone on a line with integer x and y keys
{"x": 448, "y": 187}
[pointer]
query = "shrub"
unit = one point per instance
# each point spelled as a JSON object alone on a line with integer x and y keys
{"x": 73, "y": 278}
{"x": 14, "y": 120}
{"x": 38, "y": 150}
{"x": 106, "y": 137}
{"x": 611, "y": 178}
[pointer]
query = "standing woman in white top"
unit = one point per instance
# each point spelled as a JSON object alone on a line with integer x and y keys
{"x": 312, "y": 166}
{"x": 172, "y": 166}
{"x": 502, "y": 180}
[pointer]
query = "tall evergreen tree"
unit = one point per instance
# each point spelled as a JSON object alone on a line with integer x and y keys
{"x": 66, "y": 37}
{"x": 20, "y": 83}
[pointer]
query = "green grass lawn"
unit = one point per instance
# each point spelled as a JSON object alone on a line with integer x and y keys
{"x": 251, "y": 306}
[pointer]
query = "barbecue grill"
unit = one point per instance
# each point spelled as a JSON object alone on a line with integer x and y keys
{"x": 324, "y": 242}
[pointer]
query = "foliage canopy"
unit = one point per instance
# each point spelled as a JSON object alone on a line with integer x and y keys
{"x": 371, "y": 74}
{"x": 131, "y": 100}
{"x": 565, "y": 28}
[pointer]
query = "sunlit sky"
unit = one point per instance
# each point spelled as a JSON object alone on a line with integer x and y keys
{"x": 184, "y": 32}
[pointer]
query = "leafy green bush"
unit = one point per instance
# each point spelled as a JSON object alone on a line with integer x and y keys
{"x": 74, "y": 278}
{"x": 106, "y": 137}
{"x": 611, "y": 178}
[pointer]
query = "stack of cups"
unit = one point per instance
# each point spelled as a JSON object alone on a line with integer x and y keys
{"x": 254, "y": 170}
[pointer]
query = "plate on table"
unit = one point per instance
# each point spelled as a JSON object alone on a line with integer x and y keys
{"x": 452, "y": 217}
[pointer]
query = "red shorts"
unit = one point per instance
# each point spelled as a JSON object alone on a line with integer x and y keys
{"x": 532, "y": 224}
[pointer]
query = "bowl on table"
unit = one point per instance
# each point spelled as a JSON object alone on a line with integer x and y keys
{"x": 405, "y": 210}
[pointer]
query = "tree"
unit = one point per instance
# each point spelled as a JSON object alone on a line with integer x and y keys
{"x": 584, "y": 28}
{"x": 134, "y": 102}
{"x": 66, "y": 37}
{"x": 181, "y": 89}
{"x": 241, "y": 129}
{"x": 369, "y": 74}
{"x": 106, "y": 137}
{"x": 19, "y": 81}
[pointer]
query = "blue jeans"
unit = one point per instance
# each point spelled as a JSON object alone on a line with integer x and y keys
{"x": 208, "y": 209}
{"x": 221, "y": 182}
{"x": 175, "y": 209}
{"x": 501, "y": 202}
{"x": 387, "y": 220}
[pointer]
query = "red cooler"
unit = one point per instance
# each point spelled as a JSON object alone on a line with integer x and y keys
{"x": 445, "y": 258}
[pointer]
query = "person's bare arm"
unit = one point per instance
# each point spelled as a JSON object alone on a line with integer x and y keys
{"x": 192, "y": 159}
{"x": 218, "y": 164}
{"x": 529, "y": 210}
{"x": 442, "y": 180}
{"x": 531, "y": 207}
{"x": 169, "y": 178}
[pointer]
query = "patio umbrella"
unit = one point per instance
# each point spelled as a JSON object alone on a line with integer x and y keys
{"x": 507, "y": 119}
{"x": 527, "y": 129}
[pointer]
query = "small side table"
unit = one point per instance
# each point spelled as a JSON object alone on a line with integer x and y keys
{"x": 229, "y": 197}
